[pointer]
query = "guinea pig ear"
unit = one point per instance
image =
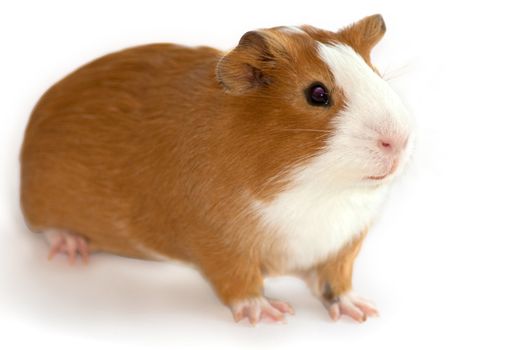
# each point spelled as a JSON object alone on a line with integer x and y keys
{"x": 246, "y": 67}
{"x": 364, "y": 34}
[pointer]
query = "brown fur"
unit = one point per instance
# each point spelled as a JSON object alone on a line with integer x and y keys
{"x": 335, "y": 274}
{"x": 163, "y": 147}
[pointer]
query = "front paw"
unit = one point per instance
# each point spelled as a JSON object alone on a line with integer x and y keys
{"x": 351, "y": 305}
{"x": 254, "y": 309}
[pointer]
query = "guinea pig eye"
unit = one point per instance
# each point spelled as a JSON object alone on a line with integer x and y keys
{"x": 317, "y": 95}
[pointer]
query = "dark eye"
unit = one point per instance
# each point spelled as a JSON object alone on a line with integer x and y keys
{"x": 317, "y": 95}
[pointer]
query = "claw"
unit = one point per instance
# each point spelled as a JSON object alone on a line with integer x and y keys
{"x": 55, "y": 246}
{"x": 334, "y": 312}
{"x": 83, "y": 249}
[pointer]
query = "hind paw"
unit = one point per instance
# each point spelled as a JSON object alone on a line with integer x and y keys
{"x": 61, "y": 241}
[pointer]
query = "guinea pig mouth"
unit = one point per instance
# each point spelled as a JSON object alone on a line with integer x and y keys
{"x": 377, "y": 177}
{"x": 390, "y": 172}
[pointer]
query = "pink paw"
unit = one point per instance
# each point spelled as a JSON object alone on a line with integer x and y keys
{"x": 61, "y": 241}
{"x": 353, "y": 306}
{"x": 255, "y": 309}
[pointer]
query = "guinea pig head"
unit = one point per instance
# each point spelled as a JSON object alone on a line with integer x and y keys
{"x": 311, "y": 101}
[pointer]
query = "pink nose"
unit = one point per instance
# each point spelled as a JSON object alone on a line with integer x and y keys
{"x": 385, "y": 144}
{"x": 392, "y": 144}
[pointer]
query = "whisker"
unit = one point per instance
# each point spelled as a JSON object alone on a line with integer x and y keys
{"x": 394, "y": 73}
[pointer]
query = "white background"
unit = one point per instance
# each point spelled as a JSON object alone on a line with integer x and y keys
{"x": 445, "y": 263}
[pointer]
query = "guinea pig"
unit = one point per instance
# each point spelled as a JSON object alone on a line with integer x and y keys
{"x": 269, "y": 159}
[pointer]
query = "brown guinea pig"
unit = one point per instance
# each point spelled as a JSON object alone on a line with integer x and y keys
{"x": 272, "y": 158}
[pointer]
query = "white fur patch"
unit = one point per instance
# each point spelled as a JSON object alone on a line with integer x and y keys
{"x": 316, "y": 219}
{"x": 329, "y": 200}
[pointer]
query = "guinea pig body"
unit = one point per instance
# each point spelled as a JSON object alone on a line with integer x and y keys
{"x": 270, "y": 159}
